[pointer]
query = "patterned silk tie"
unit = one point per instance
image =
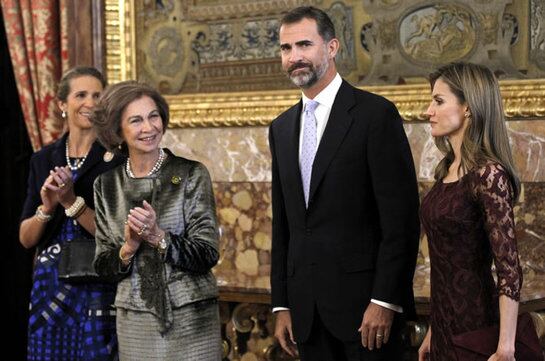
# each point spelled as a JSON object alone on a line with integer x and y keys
{"x": 308, "y": 149}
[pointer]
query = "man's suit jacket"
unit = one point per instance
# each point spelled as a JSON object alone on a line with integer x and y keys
{"x": 358, "y": 239}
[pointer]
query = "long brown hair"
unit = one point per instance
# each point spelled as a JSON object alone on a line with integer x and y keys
{"x": 485, "y": 138}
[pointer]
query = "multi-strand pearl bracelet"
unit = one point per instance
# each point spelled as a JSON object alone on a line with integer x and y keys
{"x": 76, "y": 209}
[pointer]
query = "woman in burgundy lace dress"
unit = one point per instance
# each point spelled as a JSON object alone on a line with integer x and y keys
{"x": 468, "y": 214}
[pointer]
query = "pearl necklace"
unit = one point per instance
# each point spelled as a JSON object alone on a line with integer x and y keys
{"x": 78, "y": 161}
{"x": 156, "y": 166}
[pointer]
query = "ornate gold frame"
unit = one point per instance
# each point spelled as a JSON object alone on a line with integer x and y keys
{"x": 523, "y": 99}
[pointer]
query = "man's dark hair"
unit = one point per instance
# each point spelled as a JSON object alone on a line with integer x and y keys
{"x": 326, "y": 29}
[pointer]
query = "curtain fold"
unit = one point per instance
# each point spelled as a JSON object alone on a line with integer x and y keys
{"x": 37, "y": 47}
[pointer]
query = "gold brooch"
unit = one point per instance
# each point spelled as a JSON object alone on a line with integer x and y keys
{"x": 108, "y": 156}
{"x": 176, "y": 179}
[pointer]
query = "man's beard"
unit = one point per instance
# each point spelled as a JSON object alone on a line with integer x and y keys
{"x": 307, "y": 78}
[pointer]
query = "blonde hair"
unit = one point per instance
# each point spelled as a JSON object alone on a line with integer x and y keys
{"x": 485, "y": 138}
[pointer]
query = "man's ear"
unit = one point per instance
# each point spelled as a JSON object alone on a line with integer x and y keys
{"x": 333, "y": 47}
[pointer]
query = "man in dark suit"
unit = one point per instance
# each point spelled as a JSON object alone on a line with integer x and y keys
{"x": 345, "y": 208}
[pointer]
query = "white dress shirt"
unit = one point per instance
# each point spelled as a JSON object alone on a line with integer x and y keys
{"x": 325, "y": 100}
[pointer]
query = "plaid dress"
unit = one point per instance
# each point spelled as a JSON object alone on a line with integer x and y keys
{"x": 67, "y": 321}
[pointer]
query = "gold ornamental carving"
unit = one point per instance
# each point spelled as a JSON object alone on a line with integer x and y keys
{"x": 523, "y": 99}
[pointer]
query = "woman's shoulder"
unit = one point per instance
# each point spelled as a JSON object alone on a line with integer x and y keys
{"x": 490, "y": 177}
{"x": 110, "y": 175}
{"x": 176, "y": 161}
{"x": 45, "y": 152}
{"x": 489, "y": 170}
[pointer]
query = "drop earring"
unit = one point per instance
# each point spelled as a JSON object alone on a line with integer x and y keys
{"x": 63, "y": 114}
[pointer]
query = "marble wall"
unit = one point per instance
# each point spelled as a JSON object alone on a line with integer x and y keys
{"x": 239, "y": 161}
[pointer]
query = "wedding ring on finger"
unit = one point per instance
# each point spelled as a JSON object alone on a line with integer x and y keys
{"x": 380, "y": 337}
{"x": 62, "y": 185}
{"x": 141, "y": 231}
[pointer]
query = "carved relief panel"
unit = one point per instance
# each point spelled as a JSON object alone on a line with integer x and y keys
{"x": 537, "y": 38}
{"x": 210, "y": 46}
{"x": 196, "y": 46}
{"x": 422, "y": 35}
{"x": 193, "y": 49}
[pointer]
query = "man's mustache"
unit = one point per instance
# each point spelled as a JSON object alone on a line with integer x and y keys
{"x": 299, "y": 65}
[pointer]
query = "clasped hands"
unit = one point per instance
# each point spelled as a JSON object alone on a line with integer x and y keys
{"x": 141, "y": 226}
{"x": 58, "y": 188}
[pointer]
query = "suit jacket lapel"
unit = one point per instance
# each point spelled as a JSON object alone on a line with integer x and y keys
{"x": 337, "y": 126}
{"x": 293, "y": 150}
{"x": 290, "y": 150}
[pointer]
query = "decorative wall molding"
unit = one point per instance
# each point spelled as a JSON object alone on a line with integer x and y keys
{"x": 240, "y": 10}
{"x": 120, "y": 40}
{"x": 523, "y": 99}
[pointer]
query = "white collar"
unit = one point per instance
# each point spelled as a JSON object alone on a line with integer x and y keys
{"x": 327, "y": 95}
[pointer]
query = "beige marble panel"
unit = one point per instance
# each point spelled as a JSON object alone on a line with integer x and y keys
{"x": 245, "y": 217}
{"x": 234, "y": 154}
{"x": 241, "y": 154}
{"x": 530, "y": 230}
{"x": 527, "y": 141}
{"x": 425, "y": 154}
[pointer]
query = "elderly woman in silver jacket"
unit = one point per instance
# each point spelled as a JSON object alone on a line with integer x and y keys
{"x": 156, "y": 233}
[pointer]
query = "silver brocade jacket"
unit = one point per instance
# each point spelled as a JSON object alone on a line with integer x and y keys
{"x": 182, "y": 196}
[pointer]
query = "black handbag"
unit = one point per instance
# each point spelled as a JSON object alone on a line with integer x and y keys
{"x": 76, "y": 262}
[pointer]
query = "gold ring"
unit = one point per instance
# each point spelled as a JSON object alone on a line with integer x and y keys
{"x": 44, "y": 189}
{"x": 144, "y": 227}
{"x": 62, "y": 185}
{"x": 380, "y": 336}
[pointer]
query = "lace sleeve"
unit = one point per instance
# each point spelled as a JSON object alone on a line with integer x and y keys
{"x": 494, "y": 193}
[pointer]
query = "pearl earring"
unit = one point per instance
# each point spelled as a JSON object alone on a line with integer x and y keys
{"x": 63, "y": 114}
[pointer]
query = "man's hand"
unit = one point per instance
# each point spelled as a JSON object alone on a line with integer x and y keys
{"x": 283, "y": 332}
{"x": 375, "y": 326}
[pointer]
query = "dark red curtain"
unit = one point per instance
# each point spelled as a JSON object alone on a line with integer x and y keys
{"x": 37, "y": 45}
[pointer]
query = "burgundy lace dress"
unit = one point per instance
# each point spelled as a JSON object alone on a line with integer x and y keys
{"x": 469, "y": 223}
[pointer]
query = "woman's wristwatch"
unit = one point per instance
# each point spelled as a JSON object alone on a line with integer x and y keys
{"x": 162, "y": 246}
